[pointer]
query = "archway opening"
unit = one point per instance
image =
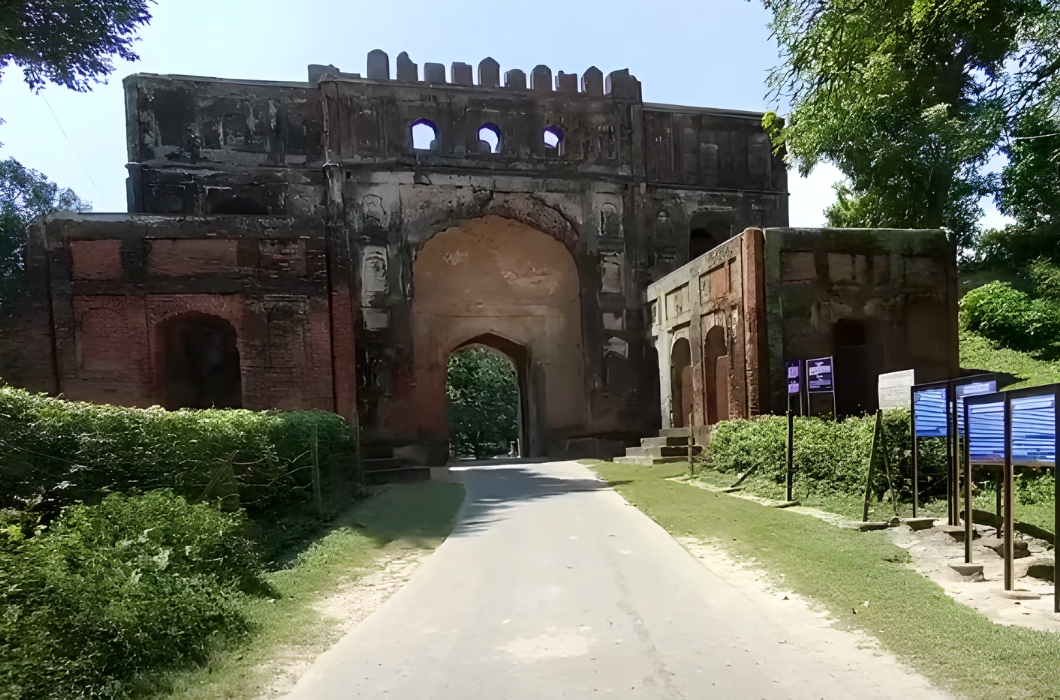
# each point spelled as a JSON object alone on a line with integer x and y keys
{"x": 424, "y": 135}
{"x": 681, "y": 384}
{"x": 489, "y": 139}
{"x": 483, "y": 403}
{"x": 553, "y": 139}
{"x": 700, "y": 242}
{"x": 716, "y": 366}
{"x": 201, "y": 363}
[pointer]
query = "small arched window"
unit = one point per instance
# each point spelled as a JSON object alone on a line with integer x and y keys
{"x": 489, "y": 139}
{"x": 424, "y": 135}
{"x": 553, "y": 137}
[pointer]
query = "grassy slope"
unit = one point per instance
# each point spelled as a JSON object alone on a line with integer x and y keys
{"x": 841, "y": 569}
{"x": 979, "y": 353}
{"x": 287, "y": 626}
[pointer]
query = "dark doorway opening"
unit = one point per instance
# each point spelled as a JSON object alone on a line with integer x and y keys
{"x": 484, "y": 399}
{"x": 716, "y": 365}
{"x": 707, "y": 230}
{"x": 201, "y": 363}
{"x": 681, "y": 392}
{"x": 854, "y": 381}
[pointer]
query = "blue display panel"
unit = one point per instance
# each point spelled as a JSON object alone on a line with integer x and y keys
{"x": 986, "y": 432}
{"x": 930, "y": 409}
{"x": 1034, "y": 431}
{"x": 971, "y": 389}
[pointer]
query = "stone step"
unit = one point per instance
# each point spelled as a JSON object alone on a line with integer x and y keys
{"x": 376, "y": 451}
{"x": 648, "y": 461}
{"x": 660, "y": 451}
{"x": 400, "y": 475}
{"x": 382, "y": 464}
{"x": 664, "y": 442}
{"x": 675, "y": 432}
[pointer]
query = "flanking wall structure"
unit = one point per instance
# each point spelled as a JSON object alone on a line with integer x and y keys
{"x": 328, "y": 244}
{"x": 877, "y": 300}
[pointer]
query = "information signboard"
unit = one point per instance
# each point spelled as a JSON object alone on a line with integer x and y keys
{"x": 986, "y": 431}
{"x": 1034, "y": 431}
{"x": 820, "y": 376}
{"x": 930, "y": 415}
{"x": 971, "y": 389}
{"x": 794, "y": 377}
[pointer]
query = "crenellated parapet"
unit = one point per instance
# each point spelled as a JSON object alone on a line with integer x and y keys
{"x": 618, "y": 84}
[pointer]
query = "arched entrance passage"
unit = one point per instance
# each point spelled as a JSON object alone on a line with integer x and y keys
{"x": 494, "y": 412}
{"x": 681, "y": 384}
{"x": 201, "y": 363}
{"x": 716, "y": 368}
{"x": 498, "y": 279}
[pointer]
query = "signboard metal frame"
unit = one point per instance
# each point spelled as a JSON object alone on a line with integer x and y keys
{"x": 1009, "y": 519}
{"x": 953, "y": 433}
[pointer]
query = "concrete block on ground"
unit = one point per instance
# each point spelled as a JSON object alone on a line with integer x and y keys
{"x": 1021, "y": 550}
{"x": 967, "y": 569}
{"x": 919, "y": 523}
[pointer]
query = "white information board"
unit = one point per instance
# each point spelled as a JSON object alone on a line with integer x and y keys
{"x": 893, "y": 389}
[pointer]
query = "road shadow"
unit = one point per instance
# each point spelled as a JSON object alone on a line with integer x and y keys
{"x": 493, "y": 490}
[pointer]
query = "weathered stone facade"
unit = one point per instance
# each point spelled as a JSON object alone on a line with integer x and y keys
{"x": 308, "y": 229}
{"x": 875, "y": 300}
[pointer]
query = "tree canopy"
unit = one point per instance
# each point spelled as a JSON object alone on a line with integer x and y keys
{"x": 69, "y": 42}
{"x": 25, "y": 194}
{"x": 910, "y": 99}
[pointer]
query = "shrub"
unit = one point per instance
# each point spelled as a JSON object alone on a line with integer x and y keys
{"x": 55, "y": 452}
{"x": 1010, "y": 317}
{"x": 829, "y": 456}
{"x": 115, "y": 590}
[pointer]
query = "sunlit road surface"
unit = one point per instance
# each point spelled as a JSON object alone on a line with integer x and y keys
{"x": 553, "y": 586}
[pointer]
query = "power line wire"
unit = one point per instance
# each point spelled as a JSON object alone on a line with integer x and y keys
{"x": 71, "y": 144}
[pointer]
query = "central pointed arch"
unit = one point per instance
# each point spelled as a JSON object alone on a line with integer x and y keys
{"x": 506, "y": 285}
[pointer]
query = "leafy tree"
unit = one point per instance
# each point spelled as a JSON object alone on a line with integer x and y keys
{"x": 25, "y": 194}
{"x": 483, "y": 393}
{"x": 908, "y": 98}
{"x": 68, "y": 42}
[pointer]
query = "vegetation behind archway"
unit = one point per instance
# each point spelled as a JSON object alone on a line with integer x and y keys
{"x": 482, "y": 389}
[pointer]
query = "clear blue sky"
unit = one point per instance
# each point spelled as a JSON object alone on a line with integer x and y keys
{"x": 712, "y": 53}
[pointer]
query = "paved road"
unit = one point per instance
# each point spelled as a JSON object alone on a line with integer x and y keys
{"x": 552, "y": 586}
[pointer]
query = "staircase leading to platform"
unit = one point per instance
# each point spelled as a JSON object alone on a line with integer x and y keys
{"x": 671, "y": 445}
{"x": 382, "y": 467}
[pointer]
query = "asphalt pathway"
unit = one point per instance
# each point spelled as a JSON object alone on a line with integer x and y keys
{"x": 553, "y": 586}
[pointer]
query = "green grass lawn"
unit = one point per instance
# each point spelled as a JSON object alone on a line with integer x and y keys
{"x": 949, "y": 643}
{"x": 285, "y": 625}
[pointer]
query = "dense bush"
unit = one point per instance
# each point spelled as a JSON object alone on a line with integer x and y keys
{"x": 1011, "y": 317}
{"x": 55, "y": 452}
{"x": 483, "y": 393}
{"x": 111, "y": 591}
{"x": 829, "y": 456}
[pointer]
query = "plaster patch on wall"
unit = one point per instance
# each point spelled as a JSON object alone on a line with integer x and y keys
{"x": 373, "y": 273}
{"x": 611, "y": 265}
{"x": 376, "y": 319}
{"x": 616, "y": 346}
{"x": 455, "y": 257}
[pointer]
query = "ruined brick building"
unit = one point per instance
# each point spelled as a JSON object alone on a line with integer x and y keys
{"x": 328, "y": 244}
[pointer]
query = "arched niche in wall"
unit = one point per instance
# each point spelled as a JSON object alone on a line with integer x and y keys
{"x": 681, "y": 391}
{"x": 200, "y": 358}
{"x": 716, "y": 369}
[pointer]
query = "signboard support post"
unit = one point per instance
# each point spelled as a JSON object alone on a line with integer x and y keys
{"x": 969, "y": 525}
{"x": 914, "y": 451}
{"x": 791, "y": 454}
{"x": 1010, "y": 510}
